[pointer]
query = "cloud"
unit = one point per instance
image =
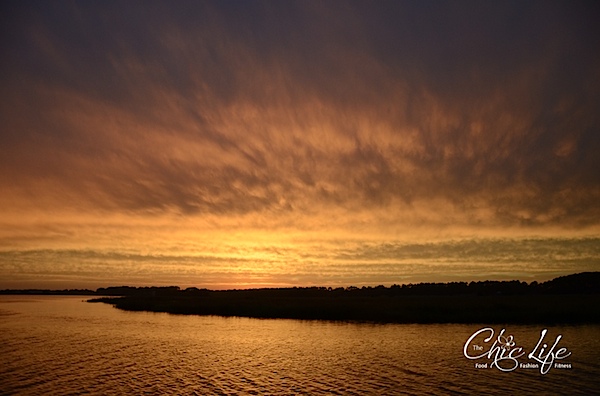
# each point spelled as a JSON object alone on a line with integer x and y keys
{"x": 330, "y": 263}
{"x": 434, "y": 113}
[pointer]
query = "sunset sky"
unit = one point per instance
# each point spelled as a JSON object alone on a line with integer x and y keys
{"x": 247, "y": 144}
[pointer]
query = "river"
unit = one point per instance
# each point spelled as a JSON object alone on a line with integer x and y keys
{"x": 60, "y": 345}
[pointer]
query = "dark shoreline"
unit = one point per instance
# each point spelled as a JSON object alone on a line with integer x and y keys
{"x": 566, "y": 300}
{"x": 571, "y": 299}
{"x": 538, "y": 309}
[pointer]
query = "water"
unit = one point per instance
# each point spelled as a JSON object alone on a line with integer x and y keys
{"x": 62, "y": 345}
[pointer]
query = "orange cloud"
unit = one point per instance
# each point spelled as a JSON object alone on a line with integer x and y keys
{"x": 142, "y": 133}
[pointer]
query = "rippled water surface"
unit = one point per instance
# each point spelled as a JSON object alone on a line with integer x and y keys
{"x": 62, "y": 345}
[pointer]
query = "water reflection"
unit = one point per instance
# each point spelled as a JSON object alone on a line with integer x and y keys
{"x": 59, "y": 345}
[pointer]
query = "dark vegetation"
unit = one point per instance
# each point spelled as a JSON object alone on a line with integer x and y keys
{"x": 568, "y": 299}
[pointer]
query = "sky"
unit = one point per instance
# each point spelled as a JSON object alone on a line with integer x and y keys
{"x": 244, "y": 144}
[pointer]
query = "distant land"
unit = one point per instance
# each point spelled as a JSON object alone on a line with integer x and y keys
{"x": 570, "y": 299}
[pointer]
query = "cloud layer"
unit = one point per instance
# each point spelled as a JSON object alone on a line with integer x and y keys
{"x": 316, "y": 117}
